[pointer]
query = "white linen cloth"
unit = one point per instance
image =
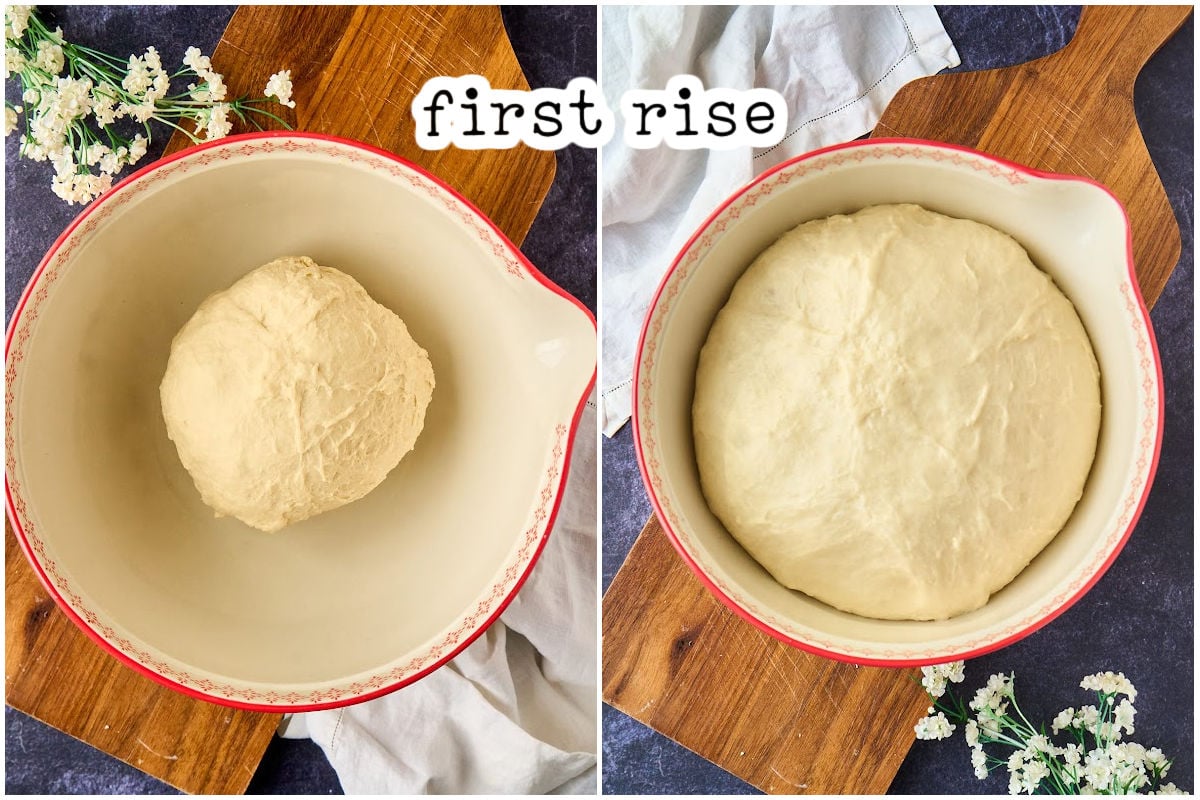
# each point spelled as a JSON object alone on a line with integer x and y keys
{"x": 836, "y": 67}
{"x": 514, "y": 713}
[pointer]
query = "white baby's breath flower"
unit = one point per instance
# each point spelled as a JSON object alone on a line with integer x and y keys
{"x": 1123, "y": 716}
{"x": 935, "y": 727}
{"x": 982, "y": 699}
{"x": 14, "y": 62}
{"x": 1040, "y": 744}
{"x": 137, "y": 78}
{"x": 1098, "y": 769}
{"x": 979, "y": 762}
{"x": 94, "y": 152}
{"x": 1130, "y": 776}
{"x": 66, "y": 186}
{"x": 1001, "y": 684}
{"x": 104, "y": 106}
{"x": 971, "y": 733}
{"x": 16, "y": 20}
{"x": 49, "y": 57}
{"x": 216, "y": 86}
{"x": 142, "y": 112}
{"x": 29, "y": 148}
{"x": 932, "y": 679}
{"x": 146, "y": 78}
{"x": 137, "y": 149}
{"x": 992, "y": 696}
{"x": 989, "y": 724}
{"x": 1109, "y": 683}
{"x": 1130, "y": 751}
{"x": 70, "y": 100}
{"x": 160, "y": 84}
{"x": 218, "y": 122}
{"x": 47, "y": 136}
{"x": 1087, "y": 718}
{"x": 1156, "y": 762}
{"x": 1034, "y": 773}
{"x": 75, "y": 97}
{"x": 1169, "y": 788}
{"x": 152, "y": 60}
{"x": 1129, "y": 765}
{"x": 196, "y": 61}
{"x": 210, "y": 90}
{"x": 99, "y": 184}
{"x": 202, "y": 123}
{"x": 1107, "y": 732}
{"x": 1064, "y": 720}
{"x": 279, "y": 86}
{"x": 110, "y": 162}
{"x": 63, "y": 161}
{"x": 10, "y": 118}
{"x": 1068, "y": 774}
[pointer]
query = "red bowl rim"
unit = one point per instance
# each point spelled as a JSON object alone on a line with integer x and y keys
{"x": 746, "y": 614}
{"x": 558, "y": 491}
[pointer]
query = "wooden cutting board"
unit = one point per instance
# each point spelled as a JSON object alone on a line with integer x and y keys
{"x": 355, "y": 72}
{"x": 1070, "y": 112}
{"x": 783, "y": 720}
{"x": 356, "y": 69}
{"x": 678, "y": 660}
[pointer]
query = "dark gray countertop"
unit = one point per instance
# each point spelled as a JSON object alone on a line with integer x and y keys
{"x": 553, "y": 45}
{"x": 1139, "y": 617}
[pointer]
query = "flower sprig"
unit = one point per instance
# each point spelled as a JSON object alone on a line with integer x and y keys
{"x": 1093, "y": 760}
{"x": 73, "y": 97}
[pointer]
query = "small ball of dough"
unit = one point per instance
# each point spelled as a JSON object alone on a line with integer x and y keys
{"x": 895, "y": 412}
{"x": 291, "y": 393}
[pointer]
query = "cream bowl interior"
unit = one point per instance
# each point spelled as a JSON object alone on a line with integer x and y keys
{"x": 1074, "y": 230}
{"x": 353, "y": 601}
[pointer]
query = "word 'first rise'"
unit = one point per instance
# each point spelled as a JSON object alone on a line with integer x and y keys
{"x": 467, "y": 113}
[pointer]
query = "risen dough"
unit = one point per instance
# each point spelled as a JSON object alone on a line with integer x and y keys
{"x": 291, "y": 393}
{"x": 895, "y": 412}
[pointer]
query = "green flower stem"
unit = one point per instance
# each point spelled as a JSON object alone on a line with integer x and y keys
{"x": 195, "y": 139}
{"x": 40, "y": 32}
{"x": 1053, "y": 769}
{"x": 246, "y": 104}
{"x": 1028, "y": 728}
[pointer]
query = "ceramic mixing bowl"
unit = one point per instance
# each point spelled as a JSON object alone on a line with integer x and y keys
{"x": 1073, "y": 229}
{"x": 355, "y": 602}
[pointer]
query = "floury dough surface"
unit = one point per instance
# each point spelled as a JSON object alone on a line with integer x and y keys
{"x": 292, "y": 392}
{"x": 895, "y": 412}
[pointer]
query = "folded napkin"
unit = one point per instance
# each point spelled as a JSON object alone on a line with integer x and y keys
{"x": 837, "y": 68}
{"x": 514, "y": 713}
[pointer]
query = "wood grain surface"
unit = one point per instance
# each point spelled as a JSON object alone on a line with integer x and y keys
{"x": 675, "y": 658}
{"x": 1070, "y": 112}
{"x": 781, "y": 719}
{"x": 356, "y": 69}
{"x": 355, "y": 72}
{"x": 55, "y": 673}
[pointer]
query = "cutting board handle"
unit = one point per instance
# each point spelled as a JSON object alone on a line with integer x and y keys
{"x": 1113, "y": 42}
